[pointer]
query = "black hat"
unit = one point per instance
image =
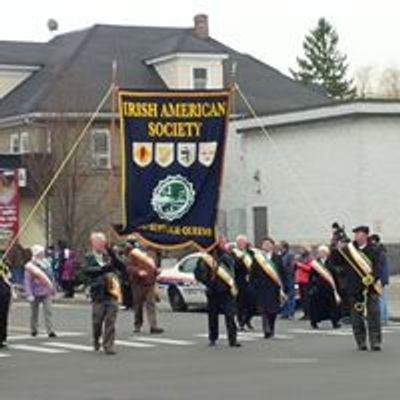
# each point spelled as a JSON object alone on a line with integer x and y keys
{"x": 361, "y": 228}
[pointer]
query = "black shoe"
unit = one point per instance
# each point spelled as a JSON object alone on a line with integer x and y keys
{"x": 34, "y": 333}
{"x": 211, "y": 343}
{"x": 156, "y": 331}
{"x": 376, "y": 348}
{"x": 52, "y": 335}
{"x": 236, "y": 344}
{"x": 362, "y": 348}
{"x": 314, "y": 325}
{"x": 241, "y": 328}
{"x": 3, "y": 345}
{"x": 268, "y": 335}
{"x": 96, "y": 346}
{"x": 336, "y": 325}
{"x": 136, "y": 330}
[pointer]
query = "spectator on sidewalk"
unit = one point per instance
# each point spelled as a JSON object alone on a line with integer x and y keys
{"x": 288, "y": 274}
{"x": 69, "y": 274}
{"x": 384, "y": 274}
{"x": 37, "y": 291}
{"x": 302, "y": 277}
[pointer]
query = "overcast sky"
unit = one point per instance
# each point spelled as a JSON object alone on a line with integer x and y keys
{"x": 273, "y": 31}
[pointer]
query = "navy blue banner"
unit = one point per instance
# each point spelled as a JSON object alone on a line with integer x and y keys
{"x": 173, "y": 147}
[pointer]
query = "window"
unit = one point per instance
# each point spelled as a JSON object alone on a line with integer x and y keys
{"x": 101, "y": 149}
{"x": 200, "y": 78}
{"x": 14, "y": 143}
{"x": 24, "y": 142}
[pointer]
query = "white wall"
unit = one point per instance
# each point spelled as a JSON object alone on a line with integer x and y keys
{"x": 177, "y": 72}
{"x": 313, "y": 174}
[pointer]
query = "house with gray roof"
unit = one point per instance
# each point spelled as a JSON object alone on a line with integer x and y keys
{"x": 49, "y": 90}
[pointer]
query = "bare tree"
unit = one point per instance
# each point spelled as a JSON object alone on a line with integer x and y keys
{"x": 77, "y": 202}
{"x": 389, "y": 83}
{"x": 363, "y": 79}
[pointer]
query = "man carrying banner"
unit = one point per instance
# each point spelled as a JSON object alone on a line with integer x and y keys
{"x": 323, "y": 293}
{"x": 243, "y": 262}
{"x": 104, "y": 290}
{"x": 5, "y": 299}
{"x": 361, "y": 260}
{"x": 217, "y": 274}
{"x": 265, "y": 279}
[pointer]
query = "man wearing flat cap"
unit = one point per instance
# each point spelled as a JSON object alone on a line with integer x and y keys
{"x": 363, "y": 286}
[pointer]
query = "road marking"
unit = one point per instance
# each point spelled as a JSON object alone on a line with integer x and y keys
{"x": 70, "y": 346}
{"x": 36, "y": 349}
{"x": 44, "y": 336}
{"x": 294, "y": 360}
{"x": 243, "y": 338}
{"x": 322, "y": 332}
{"x": 163, "y": 341}
{"x": 133, "y": 344}
{"x": 282, "y": 336}
{"x": 2, "y": 355}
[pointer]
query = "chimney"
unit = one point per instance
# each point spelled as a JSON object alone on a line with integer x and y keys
{"x": 201, "y": 26}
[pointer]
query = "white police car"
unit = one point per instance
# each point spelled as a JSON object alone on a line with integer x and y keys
{"x": 178, "y": 286}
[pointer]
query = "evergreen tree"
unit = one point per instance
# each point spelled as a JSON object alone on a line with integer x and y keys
{"x": 323, "y": 64}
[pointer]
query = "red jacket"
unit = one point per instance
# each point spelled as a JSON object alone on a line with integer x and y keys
{"x": 303, "y": 270}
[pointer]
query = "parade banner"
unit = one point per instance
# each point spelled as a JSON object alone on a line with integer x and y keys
{"x": 172, "y": 159}
{"x": 9, "y": 205}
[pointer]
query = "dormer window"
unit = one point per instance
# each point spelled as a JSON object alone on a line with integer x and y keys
{"x": 200, "y": 78}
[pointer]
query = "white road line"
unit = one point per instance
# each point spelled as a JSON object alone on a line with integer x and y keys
{"x": 70, "y": 346}
{"x": 36, "y": 349}
{"x": 134, "y": 344}
{"x": 225, "y": 337}
{"x": 163, "y": 341}
{"x": 322, "y": 332}
{"x": 2, "y": 355}
{"x": 282, "y": 336}
{"x": 44, "y": 336}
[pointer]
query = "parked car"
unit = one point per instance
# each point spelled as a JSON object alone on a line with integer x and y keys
{"x": 178, "y": 286}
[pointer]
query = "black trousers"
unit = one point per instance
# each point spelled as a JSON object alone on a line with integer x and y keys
{"x": 268, "y": 323}
{"x": 304, "y": 298}
{"x": 225, "y": 304}
{"x": 372, "y": 322}
{"x": 245, "y": 305}
{"x": 5, "y": 297}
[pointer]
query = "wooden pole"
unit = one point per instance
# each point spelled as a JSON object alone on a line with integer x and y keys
{"x": 113, "y": 138}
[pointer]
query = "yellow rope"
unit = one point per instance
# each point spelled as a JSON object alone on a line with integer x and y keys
{"x": 57, "y": 173}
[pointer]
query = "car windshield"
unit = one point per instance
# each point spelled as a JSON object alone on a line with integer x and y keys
{"x": 188, "y": 266}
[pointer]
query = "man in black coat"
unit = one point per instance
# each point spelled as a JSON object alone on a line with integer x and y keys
{"x": 5, "y": 298}
{"x": 243, "y": 260}
{"x": 268, "y": 291}
{"x": 221, "y": 292}
{"x": 364, "y": 298}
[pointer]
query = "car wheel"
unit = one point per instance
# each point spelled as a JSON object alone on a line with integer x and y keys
{"x": 176, "y": 300}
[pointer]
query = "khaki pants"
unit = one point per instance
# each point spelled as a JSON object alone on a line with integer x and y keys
{"x": 47, "y": 311}
{"x": 144, "y": 296}
{"x": 104, "y": 313}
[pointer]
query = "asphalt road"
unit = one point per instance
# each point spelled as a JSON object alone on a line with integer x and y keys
{"x": 299, "y": 364}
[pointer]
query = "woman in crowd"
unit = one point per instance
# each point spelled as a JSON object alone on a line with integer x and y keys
{"x": 303, "y": 268}
{"x": 324, "y": 299}
{"x": 40, "y": 289}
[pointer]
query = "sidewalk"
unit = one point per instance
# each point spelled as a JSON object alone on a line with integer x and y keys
{"x": 393, "y": 297}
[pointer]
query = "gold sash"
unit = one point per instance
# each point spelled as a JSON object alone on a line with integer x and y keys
{"x": 326, "y": 275}
{"x": 221, "y": 272}
{"x": 113, "y": 287}
{"x": 362, "y": 266}
{"x": 243, "y": 256}
{"x": 270, "y": 270}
